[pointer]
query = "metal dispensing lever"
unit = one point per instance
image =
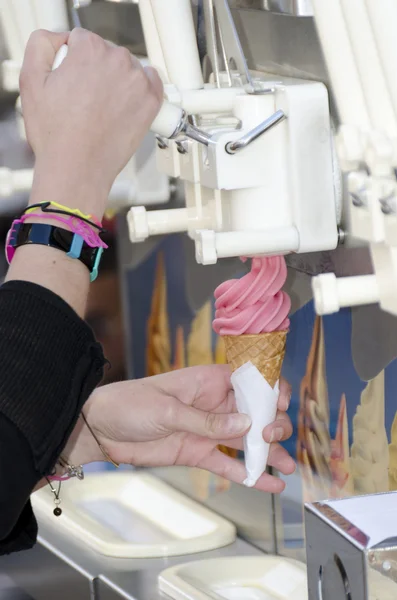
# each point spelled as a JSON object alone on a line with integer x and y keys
{"x": 171, "y": 121}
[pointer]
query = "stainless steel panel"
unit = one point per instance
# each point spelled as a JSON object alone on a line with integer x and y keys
{"x": 9, "y": 590}
{"x": 325, "y": 577}
{"x": 280, "y": 45}
{"x": 347, "y": 560}
{"x": 43, "y": 576}
{"x": 295, "y": 8}
{"x": 118, "y": 22}
{"x": 62, "y": 568}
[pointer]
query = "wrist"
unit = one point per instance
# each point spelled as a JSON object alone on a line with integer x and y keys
{"x": 81, "y": 448}
{"x": 72, "y": 188}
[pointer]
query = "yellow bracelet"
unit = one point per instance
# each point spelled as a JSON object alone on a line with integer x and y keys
{"x": 71, "y": 211}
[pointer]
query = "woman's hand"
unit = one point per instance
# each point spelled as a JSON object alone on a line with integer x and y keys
{"x": 85, "y": 120}
{"x": 178, "y": 419}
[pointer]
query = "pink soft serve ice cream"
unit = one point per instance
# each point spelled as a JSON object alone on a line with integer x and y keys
{"x": 255, "y": 303}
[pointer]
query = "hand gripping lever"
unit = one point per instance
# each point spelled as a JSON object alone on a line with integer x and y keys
{"x": 171, "y": 122}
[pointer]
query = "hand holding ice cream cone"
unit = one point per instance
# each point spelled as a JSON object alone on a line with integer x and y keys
{"x": 252, "y": 317}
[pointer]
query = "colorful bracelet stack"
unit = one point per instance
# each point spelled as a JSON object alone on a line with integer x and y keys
{"x": 80, "y": 241}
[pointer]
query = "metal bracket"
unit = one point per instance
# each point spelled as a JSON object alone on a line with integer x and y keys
{"x": 231, "y": 42}
{"x": 251, "y": 136}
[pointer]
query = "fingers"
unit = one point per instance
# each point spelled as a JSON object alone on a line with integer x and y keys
{"x": 204, "y": 387}
{"x": 83, "y": 41}
{"x": 210, "y": 425}
{"x": 281, "y": 460}
{"x": 236, "y": 444}
{"x": 234, "y": 470}
{"x": 284, "y": 398}
{"x": 280, "y": 430}
{"x": 40, "y": 54}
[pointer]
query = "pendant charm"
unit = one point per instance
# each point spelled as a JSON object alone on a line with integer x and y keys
{"x": 57, "y": 511}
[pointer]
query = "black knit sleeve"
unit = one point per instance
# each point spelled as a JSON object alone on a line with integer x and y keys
{"x": 50, "y": 364}
{"x": 18, "y": 477}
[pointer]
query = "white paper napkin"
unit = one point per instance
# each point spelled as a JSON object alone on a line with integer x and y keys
{"x": 255, "y": 398}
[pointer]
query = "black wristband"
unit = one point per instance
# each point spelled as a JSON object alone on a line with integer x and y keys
{"x": 23, "y": 234}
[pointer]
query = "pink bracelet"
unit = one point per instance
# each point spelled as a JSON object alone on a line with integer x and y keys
{"x": 71, "y": 471}
{"x": 75, "y": 224}
{"x": 60, "y": 479}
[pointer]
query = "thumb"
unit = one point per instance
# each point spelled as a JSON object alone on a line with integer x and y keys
{"x": 40, "y": 53}
{"x": 215, "y": 426}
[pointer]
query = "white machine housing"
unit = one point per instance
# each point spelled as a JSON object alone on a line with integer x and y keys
{"x": 278, "y": 194}
{"x": 362, "y": 67}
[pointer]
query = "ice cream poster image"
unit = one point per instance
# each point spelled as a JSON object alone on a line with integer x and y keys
{"x": 252, "y": 318}
{"x": 331, "y": 466}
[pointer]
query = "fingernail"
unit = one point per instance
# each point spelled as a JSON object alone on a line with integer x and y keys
{"x": 283, "y": 404}
{"x": 277, "y": 435}
{"x": 149, "y": 72}
{"x": 152, "y": 74}
{"x": 239, "y": 423}
{"x": 286, "y": 402}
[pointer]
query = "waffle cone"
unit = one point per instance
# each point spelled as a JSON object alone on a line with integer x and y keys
{"x": 265, "y": 350}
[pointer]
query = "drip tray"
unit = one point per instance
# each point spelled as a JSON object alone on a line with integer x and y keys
{"x": 245, "y": 578}
{"x": 133, "y": 515}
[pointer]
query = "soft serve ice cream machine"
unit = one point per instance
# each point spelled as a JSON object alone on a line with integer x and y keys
{"x": 264, "y": 156}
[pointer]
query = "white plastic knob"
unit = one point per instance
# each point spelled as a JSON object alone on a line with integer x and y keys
{"x": 332, "y": 293}
{"x": 138, "y": 224}
{"x": 167, "y": 120}
{"x": 205, "y": 243}
{"x": 60, "y": 57}
{"x": 325, "y": 292}
{"x": 10, "y": 75}
{"x": 6, "y": 183}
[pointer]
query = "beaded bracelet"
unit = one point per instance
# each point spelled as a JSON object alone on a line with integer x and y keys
{"x": 70, "y": 471}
